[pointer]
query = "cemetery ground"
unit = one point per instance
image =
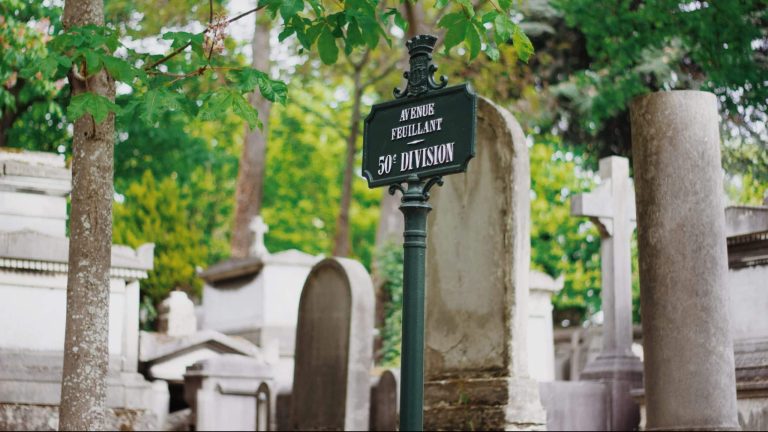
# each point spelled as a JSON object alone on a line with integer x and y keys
{"x": 220, "y": 216}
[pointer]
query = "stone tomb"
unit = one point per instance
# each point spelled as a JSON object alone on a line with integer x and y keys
{"x": 231, "y": 392}
{"x": 33, "y": 287}
{"x": 334, "y": 348}
{"x": 747, "y": 231}
{"x": 257, "y": 298}
{"x": 478, "y": 253}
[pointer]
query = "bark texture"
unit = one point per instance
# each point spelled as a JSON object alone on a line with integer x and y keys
{"x": 250, "y": 180}
{"x": 86, "y": 356}
{"x": 341, "y": 242}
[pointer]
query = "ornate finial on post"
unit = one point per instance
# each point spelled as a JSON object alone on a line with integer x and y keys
{"x": 420, "y": 79}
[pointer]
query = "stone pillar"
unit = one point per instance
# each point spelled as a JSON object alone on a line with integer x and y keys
{"x": 689, "y": 366}
{"x": 611, "y": 208}
{"x": 130, "y": 352}
{"x": 541, "y": 341}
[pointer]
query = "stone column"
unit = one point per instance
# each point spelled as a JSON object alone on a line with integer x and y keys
{"x": 689, "y": 367}
{"x": 130, "y": 354}
{"x": 611, "y": 208}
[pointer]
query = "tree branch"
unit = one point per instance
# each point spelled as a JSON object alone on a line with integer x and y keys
{"x": 177, "y": 51}
{"x": 383, "y": 74}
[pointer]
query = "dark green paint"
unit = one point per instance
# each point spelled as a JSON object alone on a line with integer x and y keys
{"x": 457, "y": 107}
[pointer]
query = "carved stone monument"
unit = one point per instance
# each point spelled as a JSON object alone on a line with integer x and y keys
{"x": 476, "y": 362}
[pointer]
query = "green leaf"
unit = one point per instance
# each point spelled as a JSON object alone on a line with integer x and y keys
{"x": 157, "y": 101}
{"x": 248, "y": 79}
{"x": 219, "y": 102}
{"x": 246, "y": 111}
{"x": 522, "y": 44}
{"x": 286, "y": 33}
{"x": 451, "y": 19}
{"x": 489, "y": 17}
{"x": 216, "y": 105}
{"x": 467, "y": 6}
{"x": 439, "y": 4}
{"x": 354, "y": 34}
{"x": 119, "y": 69}
{"x": 456, "y": 33}
{"x": 90, "y": 103}
{"x": 505, "y": 4}
{"x": 47, "y": 67}
{"x": 473, "y": 41}
{"x": 289, "y": 8}
{"x": 182, "y": 38}
{"x": 93, "y": 61}
{"x": 326, "y": 46}
{"x": 504, "y": 28}
{"x": 492, "y": 52}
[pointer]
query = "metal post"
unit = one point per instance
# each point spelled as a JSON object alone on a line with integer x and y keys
{"x": 415, "y": 208}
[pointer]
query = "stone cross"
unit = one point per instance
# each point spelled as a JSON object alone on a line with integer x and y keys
{"x": 259, "y": 228}
{"x": 612, "y": 208}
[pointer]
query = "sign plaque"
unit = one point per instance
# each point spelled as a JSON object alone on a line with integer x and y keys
{"x": 428, "y": 131}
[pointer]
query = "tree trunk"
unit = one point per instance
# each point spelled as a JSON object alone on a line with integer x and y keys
{"x": 250, "y": 180}
{"x": 341, "y": 241}
{"x": 86, "y": 351}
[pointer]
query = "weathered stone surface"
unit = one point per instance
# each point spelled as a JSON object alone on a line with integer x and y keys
{"x": 17, "y": 417}
{"x": 541, "y": 346}
{"x": 385, "y": 401}
{"x": 231, "y": 392}
{"x": 177, "y": 315}
{"x": 576, "y": 405}
{"x": 334, "y": 348}
{"x": 689, "y": 365}
{"x": 477, "y": 287}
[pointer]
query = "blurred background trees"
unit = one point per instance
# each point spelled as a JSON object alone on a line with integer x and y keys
{"x": 175, "y": 180}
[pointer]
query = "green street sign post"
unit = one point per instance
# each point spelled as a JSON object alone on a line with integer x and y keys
{"x": 428, "y": 131}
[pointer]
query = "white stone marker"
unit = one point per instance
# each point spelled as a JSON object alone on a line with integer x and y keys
{"x": 612, "y": 208}
{"x": 259, "y": 229}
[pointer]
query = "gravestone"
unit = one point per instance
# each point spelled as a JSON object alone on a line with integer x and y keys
{"x": 476, "y": 365}
{"x": 612, "y": 209}
{"x": 177, "y": 315}
{"x": 688, "y": 347}
{"x": 334, "y": 348}
{"x": 385, "y": 401}
{"x": 541, "y": 343}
